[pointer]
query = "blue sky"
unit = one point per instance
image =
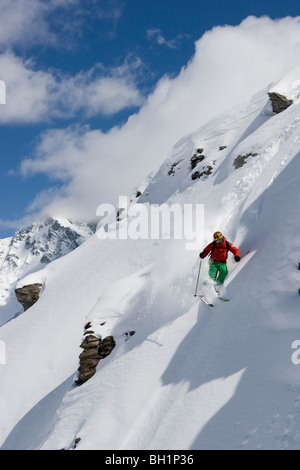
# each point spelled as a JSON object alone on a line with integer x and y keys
{"x": 75, "y": 71}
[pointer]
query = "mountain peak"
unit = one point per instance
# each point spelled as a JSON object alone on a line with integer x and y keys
{"x": 28, "y": 250}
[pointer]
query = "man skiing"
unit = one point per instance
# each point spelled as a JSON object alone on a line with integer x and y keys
{"x": 218, "y": 250}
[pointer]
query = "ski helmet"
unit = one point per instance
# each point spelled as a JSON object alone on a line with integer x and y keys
{"x": 218, "y": 236}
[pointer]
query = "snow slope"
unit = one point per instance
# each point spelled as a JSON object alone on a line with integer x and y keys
{"x": 191, "y": 377}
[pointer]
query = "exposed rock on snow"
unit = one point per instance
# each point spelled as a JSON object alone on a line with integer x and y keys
{"x": 195, "y": 159}
{"x": 279, "y": 102}
{"x": 206, "y": 171}
{"x": 94, "y": 349}
{"x": 172, "y": 171}
{"x": 28, "y": 295}
{"x": 241, "y": 159}
{"x": 127, "y": 334}
{"x": 76, "y": 442}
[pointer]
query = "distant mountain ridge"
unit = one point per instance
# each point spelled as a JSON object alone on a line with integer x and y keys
{"x": 29, "y": 250}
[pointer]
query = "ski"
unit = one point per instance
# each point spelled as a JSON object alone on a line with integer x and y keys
{"x": 201, "y": 297}
{"x": 222, "y": 299}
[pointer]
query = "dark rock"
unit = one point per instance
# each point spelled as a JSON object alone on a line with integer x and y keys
{"x": 106, "y": 346}
{"x": 127, "y": 334}
{"x": 196, "y": 175}
{"x": 240, "y": 160}
{"x": 90, "y": 363}
{"x": 206, "y": 172}
{"x": 94, "y": 349}
{"x": 88, "y": 353}
{"x": 28, "y": 295}
{"x": 85, "y": 376}
{"x": 89, "y": 342}
{"x": 172, "y": 171}
{"x": 195, "y": 159}
{"x": 89, "y": 332}
{"x": 77, "y": 440}
{"x": 279, "y": 102}
{"x": 222, "y": 147}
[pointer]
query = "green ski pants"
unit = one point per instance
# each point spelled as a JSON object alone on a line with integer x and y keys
{"x": 218, "y": 271}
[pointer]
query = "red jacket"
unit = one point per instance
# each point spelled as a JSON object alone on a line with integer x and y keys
{"x": 220, "y": 252}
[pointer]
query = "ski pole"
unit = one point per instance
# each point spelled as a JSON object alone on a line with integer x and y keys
{"x": 237, "y": 263}
{"x": 195, "y": 295}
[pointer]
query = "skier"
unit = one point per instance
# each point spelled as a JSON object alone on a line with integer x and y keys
{"x": 218, "y": 250}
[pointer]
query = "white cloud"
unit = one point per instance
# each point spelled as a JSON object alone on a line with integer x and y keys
{"x": 33, "y": 96}
{"x": 156, "y": 34}
{"x": 99, "y": 91}
{"x": 26, "y": 21}
{"x": 230, "y": 64}
{"x": 43, "y": 198}
{"x": 29, "y": 22}
{"x": 26, "y": 90}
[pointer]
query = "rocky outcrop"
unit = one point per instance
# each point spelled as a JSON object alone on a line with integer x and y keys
{"x": 94, "y": 349}
{"x": 28, "y": 295}
{"x": 196, "y": 158}
{"x": 172, "y": 171}
{"x": 206, "y": 171}
{"x": 240, "y": 160}
{"x": 279, "y": 102}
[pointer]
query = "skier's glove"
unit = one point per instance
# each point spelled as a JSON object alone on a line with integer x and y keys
{"x": 237, "y": 258}
{"x": 201, "y": 255}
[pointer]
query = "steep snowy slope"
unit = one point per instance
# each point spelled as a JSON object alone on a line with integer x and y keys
{"x": 190, "y": 377}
